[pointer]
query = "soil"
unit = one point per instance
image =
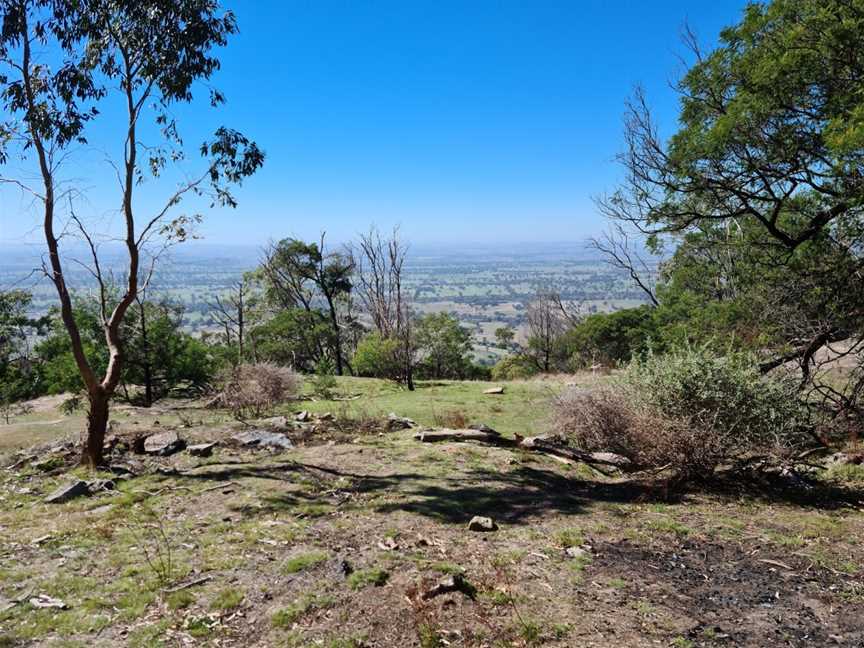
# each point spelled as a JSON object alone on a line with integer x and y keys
{"x": 353, "y": 529}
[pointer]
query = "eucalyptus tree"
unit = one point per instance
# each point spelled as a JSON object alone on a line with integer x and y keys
{"x": 762, "y": 182}
{"x": 63, "y": 65}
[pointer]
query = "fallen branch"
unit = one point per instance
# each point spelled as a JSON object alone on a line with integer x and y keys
{"x": 538, "y": 444}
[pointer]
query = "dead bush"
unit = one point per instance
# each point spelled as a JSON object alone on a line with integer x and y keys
{"x": 454, "y": 419}
{"x": 253, "y": 390}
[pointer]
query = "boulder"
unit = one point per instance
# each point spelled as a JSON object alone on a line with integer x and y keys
{"x": 494, "y": 390}
{"x": 262, "y": 439}
{"x": 395, "y": 422}
{"x": 163, "y": 444}
{"x": 68, "y": 492}
{"x": 201, "y": 449}
{"x": 482, "y": 524}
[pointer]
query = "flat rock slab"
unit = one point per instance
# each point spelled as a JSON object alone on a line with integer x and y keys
{"x": 262, "y": 439}
{"x": 68, "y": 492}
{"x": 163, "y": 444}
{"x": 201, "y": 449}
{"x": 494, "y": 390}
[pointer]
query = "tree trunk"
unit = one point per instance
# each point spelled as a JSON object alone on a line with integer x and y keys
{"x": 97, "y": 425}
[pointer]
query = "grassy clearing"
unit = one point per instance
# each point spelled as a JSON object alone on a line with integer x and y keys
{"x": 333, "y": 545}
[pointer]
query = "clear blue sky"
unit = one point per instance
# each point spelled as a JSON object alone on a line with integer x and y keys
{"x": 463, "y": 121}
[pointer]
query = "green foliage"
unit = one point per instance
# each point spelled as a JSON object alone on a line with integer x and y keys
{"x": 324, "y": 382}
{"x": 160, "y": 357}
{"x": 444, "y": 347}
{"x": 158, "y": 352}
{"x": 722, "y": 392}
{"x": 377, "y": 357}
{"x": 514, "y": 367}
{"x": 293, "y": 337}
{"x": 19, "y": 379}
{"x": 610, "y": 338}
{"x": 689, "y": 409}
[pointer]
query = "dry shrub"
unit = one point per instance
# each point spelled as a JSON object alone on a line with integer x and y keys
{"x": 606, "y": 420}
{"x": 454, "y": 419}
{"x": 253, "y": 390}
{"x": 690, "y": 410}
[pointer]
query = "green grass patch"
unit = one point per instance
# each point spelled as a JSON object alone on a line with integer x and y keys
{"x": 304, "y": 561}
{"x": 365, "y": 577}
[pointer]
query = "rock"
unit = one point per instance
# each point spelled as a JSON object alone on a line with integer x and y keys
{"x": 68, "y": 492}
{"x": 482, "y": 427}
{"x": 326, "y": 416}
{"x": 302, "y": 417}
{"x": 45, "y": 601}
{"x": 201, "y": 449}
{"x": 263, "y": 438}
{"x": 454, "y": 583}
{"x": 276, "y": 423}
{"x": 98, "y": 485}
{"x": 482, "y": 524}
{"x": 576, "y": 552}
{"x": 494, "y": 390}
{"x": 121, "y": 471}
{"x": 163, "y": 444}
{"x": 395, "y": 422}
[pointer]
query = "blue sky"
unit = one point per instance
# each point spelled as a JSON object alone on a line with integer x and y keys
{"x": 461, "y": 121}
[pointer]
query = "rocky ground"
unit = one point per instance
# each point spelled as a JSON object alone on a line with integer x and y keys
{"x": 360, "y": 535}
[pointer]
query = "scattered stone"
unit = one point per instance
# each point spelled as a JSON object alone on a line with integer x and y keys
{"x": 576, "y": 552}
{"x": 45, "y": 601}
{"x": 388, "y": 544}
{"x": 277, "y": 423}
{"x": 454, "y": 583}
{"x": 121, "y": 471}
{"x": 47, "y": 464}
{"x": 302, "y": 417}
{"x": 263, "y": 438}
{"x": 68, "y": 492}
{"x": 494, "y": 390}
{"x": 201, "y": 449}
{"x": 395, "y": 422}
{"x": 326, "y": 416}
{"x": 482, "y": 524}
{"x": 482, "y": 427}
{"x": 344, "y": 568}
{"x": 98, "y": 485}
{"x": 163, "y": 444}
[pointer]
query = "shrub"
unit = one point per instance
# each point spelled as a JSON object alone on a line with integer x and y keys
{"x": 690, "y": 410}
{"x": 514, "y": 367}
{"x": 252, "y": 390}
{"x": 377, "y": 357}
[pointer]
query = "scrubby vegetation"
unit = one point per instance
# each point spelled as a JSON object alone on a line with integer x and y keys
{"x": 688, "y": 410}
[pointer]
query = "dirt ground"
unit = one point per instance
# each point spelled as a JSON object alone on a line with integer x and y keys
{"x": 342, "y": 541}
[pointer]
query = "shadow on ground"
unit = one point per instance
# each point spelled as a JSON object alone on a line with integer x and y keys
{"x": 514, "y": 496}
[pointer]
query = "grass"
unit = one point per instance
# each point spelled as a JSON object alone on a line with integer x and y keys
{"x": 460, "y": 402}
{"x": 228, "y": 599}
{"x": 365, "y": 577}
{"x": 304, "y": 561}
{"x": 286, "y": 617}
